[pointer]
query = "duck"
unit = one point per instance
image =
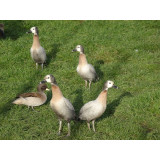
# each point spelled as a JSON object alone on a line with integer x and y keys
{"x": 85, "y": 70}
{"x": 94, "y": 109}
{"x": 34, "y": 98}
{"x": 38, "y": 53}
{"x": 1, "y": 30}
{"x": 60, "y": 105}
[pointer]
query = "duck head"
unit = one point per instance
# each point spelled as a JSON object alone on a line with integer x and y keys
{"x": 50, "y": 79}
{"x": 79, "y": 49}
{"x": 33, "y": 30}
{"x": 109, "y": 84}
{"x": 42, "y": 87}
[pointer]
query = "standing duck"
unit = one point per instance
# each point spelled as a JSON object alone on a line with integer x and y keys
{"x": 94, "y": 109}
{"x": 38, "y": 53}
{"x": 85, "y": 70}
{"x": 34, "y": 98}
{"x": 60, "y": 105}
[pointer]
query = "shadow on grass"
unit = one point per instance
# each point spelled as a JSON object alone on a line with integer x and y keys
{"x": 65, "y": 39}
{"x": 111, "y": 107}
{"x": 98, "y": 70}
{"x": 52, "y": 54}
{"x": 78, "y": 103}
{"x": 14, "y": 29}
{"x": 146, "y": 129}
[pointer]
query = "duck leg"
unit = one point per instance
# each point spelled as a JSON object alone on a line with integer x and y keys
{"x": 69, "y": 129}
{"x": 36, "y": 65}
{"x": 60, "y": 127}
{"x": 42, "y": 65}
{"x": 93, "y": 126}
{"x": 88, "y": 124}
{"x": 85, "y": 83}
{"x": 90, "y": 84}
{"x": 33, "y": 108}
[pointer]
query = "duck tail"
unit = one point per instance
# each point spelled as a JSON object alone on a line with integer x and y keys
{"x": 97, "y": 78}
{"x": 17, "y": 101}
{"x": 77, "y": 119}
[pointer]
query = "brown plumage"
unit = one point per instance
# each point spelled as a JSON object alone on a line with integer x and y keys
{"x": 32, "y": 94}
{"x": 34, "y": 98}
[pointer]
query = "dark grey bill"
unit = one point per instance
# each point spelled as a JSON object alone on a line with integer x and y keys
{"x": 74, "y": 50}
{"x": 28, "y": 32}
{"x": 44, "y": 81}
{"x": 115, "y": 87}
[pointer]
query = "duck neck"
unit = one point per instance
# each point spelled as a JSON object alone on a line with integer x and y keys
{"x": 56, "y": 92}
{"x": 82, "y": 59}
{"x": 39, "y": 89}
{"x": 36, "y": 42}
{"x": 102, "y": 98}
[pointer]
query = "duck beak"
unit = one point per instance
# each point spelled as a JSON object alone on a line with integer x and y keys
{"x": 74, "y": 50}
{"x": 44, "y": 81}
{"x": 28, "y": 32}
{"x": 115, "y": 87}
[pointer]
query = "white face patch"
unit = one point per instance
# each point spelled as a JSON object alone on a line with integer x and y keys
{"x": 48, "y": 78}
{"x": 110, "y": 84}
{"x": 33, "y": 30}
{"x": 78, "y": 48}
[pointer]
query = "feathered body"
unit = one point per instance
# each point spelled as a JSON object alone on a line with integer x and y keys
{"x": 94, "y": 109}
{"x": 60, "y": 105}
{"x": 38, "y": 53}
{"x": 85, "y": 70}
{"x": 32, "y": 99}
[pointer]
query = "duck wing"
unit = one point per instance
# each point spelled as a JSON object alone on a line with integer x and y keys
{"x": 33, "y": 94}
{"x": 92, "y": 69}
{"x": 86, "y": 107}
{"x": 88, "y": 111}
{"x": 68, "y": 104}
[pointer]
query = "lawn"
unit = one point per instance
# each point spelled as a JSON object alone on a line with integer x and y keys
{"x": 126, "y": 52}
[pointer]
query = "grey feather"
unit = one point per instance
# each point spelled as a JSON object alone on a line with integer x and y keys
{"x": 64, "y": 109}
{"x": 38, "y": 55}
{"x": 91, "y": 111}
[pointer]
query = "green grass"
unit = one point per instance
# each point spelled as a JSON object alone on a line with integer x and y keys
{"x": 127, "y": 52}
